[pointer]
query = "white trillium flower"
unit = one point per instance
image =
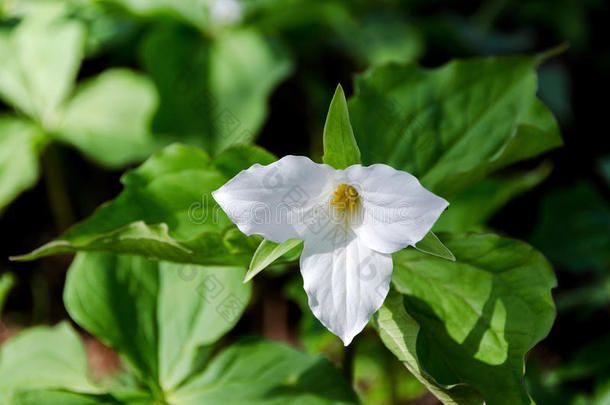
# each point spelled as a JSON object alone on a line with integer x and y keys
{"x": 351, "y": 221}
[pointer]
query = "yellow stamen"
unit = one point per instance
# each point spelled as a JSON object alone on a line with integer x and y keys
{"x": 345, "y": 198}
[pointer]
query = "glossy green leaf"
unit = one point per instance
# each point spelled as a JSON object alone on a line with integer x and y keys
{"x": 452, "y": 125}
{"x": 432, "y": 245}
{"x": 261, "y": 372}
{"x": 109, "y": 116}
{"x": 268, "y": 252}
{"x": 472, "y": 207}
{"x": 398, "y": 332}
{"x": 477, "y": 316}
{"x": 39, "y": 60}
{"x": 340, "y": 147}
{"x": 44, "y": 357}
{"x": 212, "y": 92}
{"x": 166, "y": 212}
{"x": 158, "y": 316}
{"x": 20, "y": 145}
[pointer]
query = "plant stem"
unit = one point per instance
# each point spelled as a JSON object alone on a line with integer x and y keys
{"x": 61, "y": 209}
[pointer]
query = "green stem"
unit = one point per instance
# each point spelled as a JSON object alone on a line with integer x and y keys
{"x": 57, "y": 192}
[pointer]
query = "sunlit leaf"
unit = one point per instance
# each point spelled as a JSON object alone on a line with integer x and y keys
{"x": 452, "y": 125}
{"x": 340, "y": 148}
{"x": 473, "y": 320}
{"x": 44, "y": 357}
{"x": 166, "y": 212}
{"x": 157, "y": 315}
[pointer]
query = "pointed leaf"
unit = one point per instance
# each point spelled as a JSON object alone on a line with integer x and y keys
{"x": 267, "y": 253}
{"x": 340, "y": 147}
{"x": 432, "y": 245}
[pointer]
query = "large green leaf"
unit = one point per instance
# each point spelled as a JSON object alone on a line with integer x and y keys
{"x": 340, "y": 148}
{"x": 41, "y": 358}
{"x": 108, "y": 118}
{"x": 166, "y": 212}
{"x": 471, "y": 321}
{"x": 399, "y": 331}
{"x": 261, "y": 372}
{"x": 157, "y": 315}
{"x": 39, "y": 60}
{"x": 20, "y": 144}
{"x": 213, "y": 92}
{"x": 452, "y": 125}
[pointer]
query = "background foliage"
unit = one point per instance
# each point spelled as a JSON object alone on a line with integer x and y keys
{"x": 90, "y": 89}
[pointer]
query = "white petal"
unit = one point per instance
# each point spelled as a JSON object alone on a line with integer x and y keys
{"x": 397, "y": 211}
{"x": 276, "y": 200}
{"x": 345, "y": 281}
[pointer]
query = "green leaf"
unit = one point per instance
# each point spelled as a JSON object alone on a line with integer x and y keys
{"x": 214, "y": 93}
{"x": 340, "y": 147}
{"x": 452, "y": 125}
{"x": 398, "y": 332}
{"x": 432, "y": 245}
{"x": 158, "y": 316}
{"x": 7, "y": 281}
{"x": 166, "y": 212}
{"x": 109, "y": 116}
{"x": 261, "y": 372}
{"x": 472, "y": 207}
{"x": 44, "y": 357}
{"x": 478, "y": 316}
{"x": 268, "y": 252}
{"x": 20, "y": 145}
{"x": 39, "y": 60}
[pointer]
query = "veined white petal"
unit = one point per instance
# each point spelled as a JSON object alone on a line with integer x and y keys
{"x": 345, "y": 281}
{"x": 397, "y": 211}
{"x": 278, "y": 201}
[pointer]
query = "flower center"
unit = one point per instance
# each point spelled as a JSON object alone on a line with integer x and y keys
{"x": 345, "y": 198}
